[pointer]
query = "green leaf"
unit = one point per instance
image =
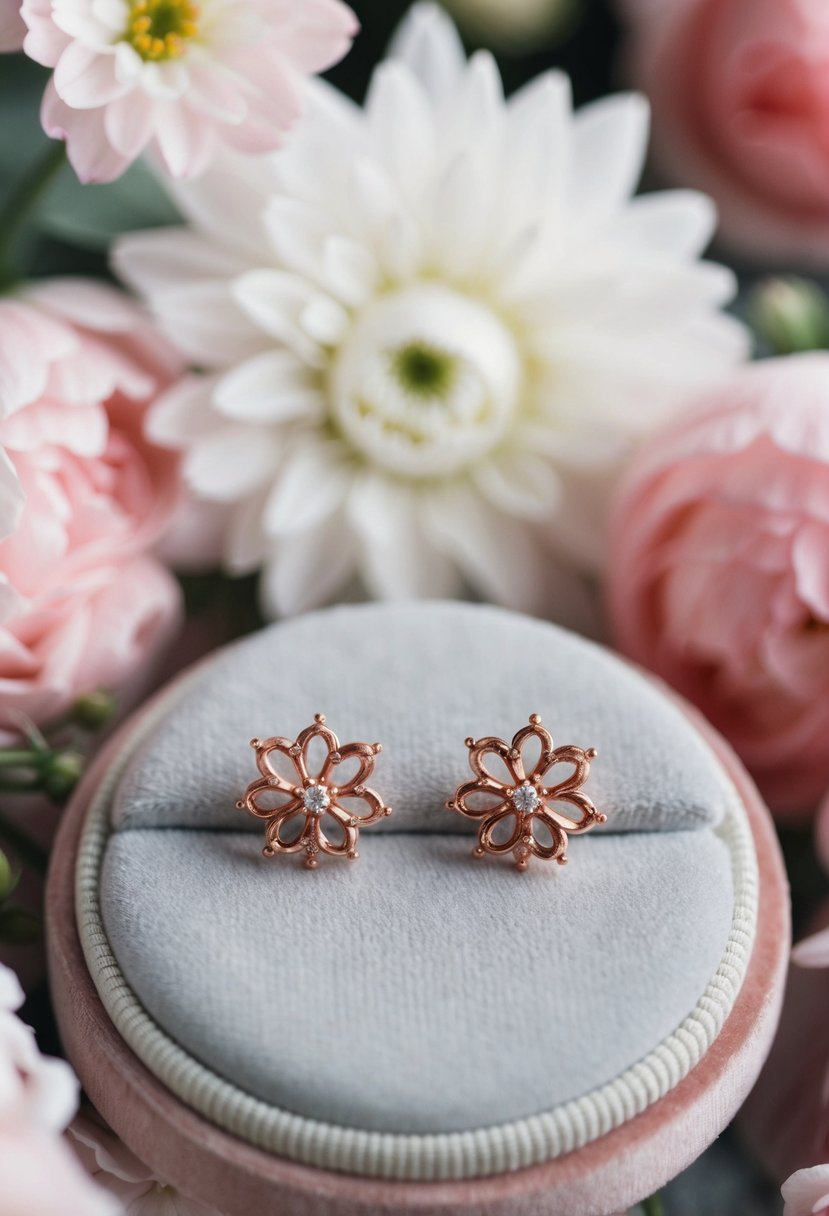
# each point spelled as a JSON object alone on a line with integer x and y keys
{"x": 90, "y": 216}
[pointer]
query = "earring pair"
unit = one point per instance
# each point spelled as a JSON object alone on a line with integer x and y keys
{"x": 518, "y": 810}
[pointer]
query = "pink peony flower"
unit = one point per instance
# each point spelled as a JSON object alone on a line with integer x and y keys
{"x": 719, "y": 569}
{"x": 181, "y": 76}
{"x": 82, "y": 604}
{"x": 12, "y": 27}
{"x": 740, "y": 94}
{"x": 126, "y": 1178}
{"x": 39, "y": 1174}
{"x": 807, "y": 1192}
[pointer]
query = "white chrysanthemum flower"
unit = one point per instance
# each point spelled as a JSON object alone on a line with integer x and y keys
{"x": 432, "y": 330}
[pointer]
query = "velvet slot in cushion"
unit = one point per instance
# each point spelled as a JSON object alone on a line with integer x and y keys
{"x": 419, "y": 1014}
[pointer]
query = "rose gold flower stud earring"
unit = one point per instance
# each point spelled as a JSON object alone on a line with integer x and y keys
{"x": 313, "y": 814}
{"x": 518, "y": 813}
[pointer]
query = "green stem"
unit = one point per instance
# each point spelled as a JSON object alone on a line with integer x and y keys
{"x": 653, "y": 1206}
{"x": 24, "y": 196}
{"x": 9, "y": 758}
{"x": 27, "y": 851}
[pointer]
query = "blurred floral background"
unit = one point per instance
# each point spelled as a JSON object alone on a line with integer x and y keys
{"x": 466, "y": 317}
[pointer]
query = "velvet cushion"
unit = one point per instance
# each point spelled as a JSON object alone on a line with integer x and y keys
{"x": 418, "y": 992}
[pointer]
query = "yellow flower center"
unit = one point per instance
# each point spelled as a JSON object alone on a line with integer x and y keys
{"x": 161, "y": 29}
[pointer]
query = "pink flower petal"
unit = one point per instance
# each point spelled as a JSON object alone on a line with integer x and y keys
{"x": 90, "y": 154}
{"x": 85, "y": 79}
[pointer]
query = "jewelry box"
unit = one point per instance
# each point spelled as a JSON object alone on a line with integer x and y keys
{"x": 417, "y": 1031}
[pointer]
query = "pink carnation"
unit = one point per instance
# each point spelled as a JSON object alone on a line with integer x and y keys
{"x": 12, "y": 28}
{"x": 740, "y": 98}
{"x": 180, "y": 76}
{"x": 719, "y": 569}
{"x": 82, "y": 604}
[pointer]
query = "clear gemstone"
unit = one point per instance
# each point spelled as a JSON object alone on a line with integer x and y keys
{"x": 316, "y": 799}
{"x": 525, "y": 798}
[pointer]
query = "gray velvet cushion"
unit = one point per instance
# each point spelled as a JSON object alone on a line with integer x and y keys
{"x": 420, "y": 679}
{"x": 418, "y": 991}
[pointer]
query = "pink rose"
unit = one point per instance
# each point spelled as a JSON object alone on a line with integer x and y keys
{"x": 82, "y": 604}
{"x": 12, "y": 28}
{"x": 183, "y": 79}
{"x": 740, "y": 94}
{"x": 719, "y": 569}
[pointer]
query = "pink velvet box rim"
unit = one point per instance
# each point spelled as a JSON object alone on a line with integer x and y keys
{"x": 606, "y": 1176}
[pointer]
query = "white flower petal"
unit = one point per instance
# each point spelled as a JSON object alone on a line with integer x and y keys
{"x": 231, "y": 462}
{"x": 428, "y": 43}
{"x": 398, "y": 558}
{"x": 275, "y": 301}
{"x": 402, "y": 127}
{"x": 313, "y": 481}
{"x": 182, "y": 412}
{"x": 502, "y": 557}
{"x": 520, "y": 484}
{"x": 308, "y": 569}
{"x": 273, "y": 387}
{"x": 297, "y": 234}
{"x": 676, "y": 223}
{"x": 247, "y": 545}
{"x": 325, "y": 321}
{"x": 206, "y": 323}
{"x": 156, "y": 261}
{"x": 226, "y": 204}
{"x": 610, "y": 138}
{"x": 349, "y": 271}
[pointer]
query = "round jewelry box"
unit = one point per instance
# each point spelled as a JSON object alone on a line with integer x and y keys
{"x": 417, "y": 1031}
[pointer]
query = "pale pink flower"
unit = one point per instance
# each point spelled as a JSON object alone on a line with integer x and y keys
{"x": 12, "y": 27}
{"x": 180, "y": 76}
{"x": 123, "y": 1176}
{"x": 82, "y": 605}
{"x": 813, "y": 951}
{"x": 39, "y": 1175}
{"x": 807, "y": 1192}
{"x": 740, "y": 94}
{"x": 719, "y": 569}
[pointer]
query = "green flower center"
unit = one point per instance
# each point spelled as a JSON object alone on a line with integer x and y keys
{"x": 423, "y": 370}
{"x": 161, "y": 29}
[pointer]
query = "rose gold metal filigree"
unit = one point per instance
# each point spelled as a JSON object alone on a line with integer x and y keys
{"x": 507, "y": 824}
{"x": 313, "y": 798}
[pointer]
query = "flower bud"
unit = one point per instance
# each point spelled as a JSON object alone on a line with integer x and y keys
{"x": 94, "y": 709}
{"x": 791, "y": 315}
{"x": 61, "y": 773}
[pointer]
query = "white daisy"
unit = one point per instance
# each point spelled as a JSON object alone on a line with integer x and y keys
{"x": 430, "y": 331}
